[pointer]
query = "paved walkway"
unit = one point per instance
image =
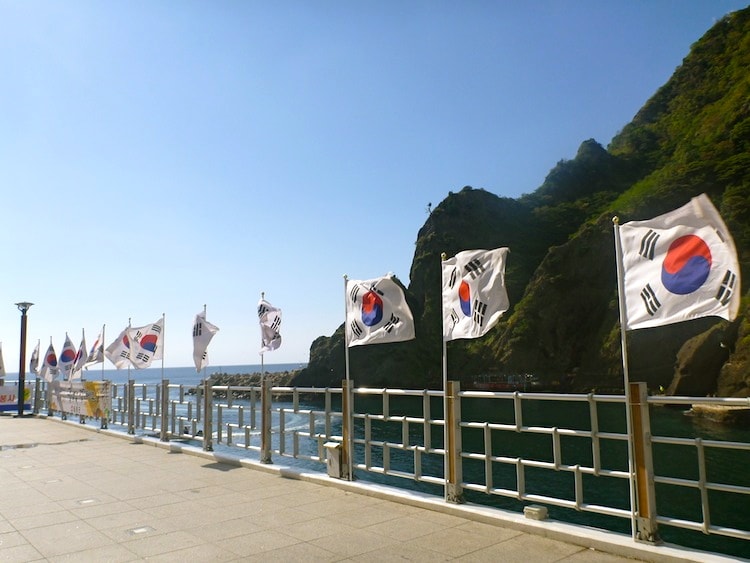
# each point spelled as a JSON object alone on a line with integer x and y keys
{"x": 72, "y": 493}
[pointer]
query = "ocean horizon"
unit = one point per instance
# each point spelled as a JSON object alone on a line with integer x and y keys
{"x": 185, "y": 375}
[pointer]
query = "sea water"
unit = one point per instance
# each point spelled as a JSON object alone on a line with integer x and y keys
{"x": 182, "y": 375}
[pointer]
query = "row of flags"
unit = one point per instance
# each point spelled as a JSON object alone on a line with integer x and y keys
{"x": 138, "y": 347}
{"x": 678, "y": 266}
{"x": 71, "y": 362}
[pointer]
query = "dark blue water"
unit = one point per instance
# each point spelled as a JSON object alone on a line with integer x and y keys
{"x": 184, "y": 375}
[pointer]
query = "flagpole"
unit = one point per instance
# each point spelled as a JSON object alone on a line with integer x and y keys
{"x": 205, "y": 364}
{"x": 262, "y": 355}
{"x": 346, "y": 334}
{"x": 128, "y": 334}
{"x": 625, "y": 368}
{"x": 102, "y": 345}
{"x": 163, "y": 339}
{"x": 445, "y": 383}
{"x": 350, "y": 422}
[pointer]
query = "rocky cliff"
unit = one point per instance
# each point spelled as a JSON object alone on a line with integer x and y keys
{"x": 691, "y": 137}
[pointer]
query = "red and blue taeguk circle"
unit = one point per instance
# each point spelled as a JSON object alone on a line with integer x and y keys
{"x": 67, "y": 356}
{"x": 687, "y": 265}
{"x": 148, "y": 342}
{"x": 464, "y": 298}
{"x": 51, "y": 360}
{"x": 372, "y": 308}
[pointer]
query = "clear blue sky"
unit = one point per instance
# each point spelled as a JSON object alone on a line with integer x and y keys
{"x": 156, "y": 156}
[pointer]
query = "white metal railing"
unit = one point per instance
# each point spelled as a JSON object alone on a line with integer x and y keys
{"x": 512, "y": 445}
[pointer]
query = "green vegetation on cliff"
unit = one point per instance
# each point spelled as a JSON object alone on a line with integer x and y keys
{"x": 692, "y": 136}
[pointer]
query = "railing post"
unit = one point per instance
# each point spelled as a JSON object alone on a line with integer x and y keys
{"x": 105, "y": 390}
{"x": 643, "y": 465}
{"x": 48, "y": 394}
{"x": 265, "y": 422}
{"x": 37, "y": 395}
{"x": 346, "y": 432}
{"x": 208, "y": 412}
{"x": 454, "y": 478}
{"x": 164, "y": 432}
{"x": 131, "y": 406}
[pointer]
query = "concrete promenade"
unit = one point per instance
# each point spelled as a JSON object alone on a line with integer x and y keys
{"x": 70, "y": 492}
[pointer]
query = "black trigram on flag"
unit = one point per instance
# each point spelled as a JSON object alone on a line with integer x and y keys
{"x": 392, "y": 322}
{"x": 650, "y": 300}
{"x": 452, "y": 278}
{"x": 454, "y": 318}
{"x": 276, "y": 323}
{"x": 474, "y": 268}
{"x": 125, "y": 354}
{"x": 356, "y": 329}
{"x": 648, "y": 244}
{"x": 143, "y": 357}
{"x": 726, "y": 290}
{"x": 197, "y": 329}
{"x": 479, "y": 309}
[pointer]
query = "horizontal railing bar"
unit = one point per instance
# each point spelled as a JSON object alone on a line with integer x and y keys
{"x": 705, "y": 443}
{"x": 698, "y": 527}
{"x": 675, "y": 400}
{"x": 403, "y": 392}
{"x": 724, "y": 487}
{"x": 578, "y": 397}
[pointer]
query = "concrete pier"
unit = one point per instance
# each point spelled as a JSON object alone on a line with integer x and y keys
{"x": 70, "y": 492}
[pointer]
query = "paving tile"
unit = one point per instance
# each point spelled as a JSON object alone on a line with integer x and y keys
{"x": 147, "y": 502}
{"x": 355, "y": 543}
{"x": 524, "y": 548}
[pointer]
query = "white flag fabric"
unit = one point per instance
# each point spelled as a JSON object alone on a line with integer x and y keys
{"x": 679, "y": 266}
{"x": 474, "y": 293}
{"x": 2, "y": 363}
{"x": 269, "y": 318}
{"x": 80, "y": 359}
{"x": 34, "y": 361}
{"x": 146, "y": 343}
{"x": 118, "y": 352}
{"x": 96, "y": 354}
{"x": 377, "y": 312}
{"x": 203, "y": 332}
{"x": 49, "y": 366}
{"x": 67, "y": 357}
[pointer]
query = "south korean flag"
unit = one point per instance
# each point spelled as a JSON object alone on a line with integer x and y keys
{"x": 679, "y": 266}
{"x": 474, "y": 294}
{"x": 377, "y": 312}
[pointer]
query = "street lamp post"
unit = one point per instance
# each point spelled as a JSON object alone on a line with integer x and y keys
{"x": 24, "y": 306}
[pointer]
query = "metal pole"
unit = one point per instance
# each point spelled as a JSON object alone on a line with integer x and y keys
{"x": 454, "y": 491}
{"x": 648, "y": 529}
{"x": 208, "y": 410}
{"x": 626, "y": 372}
{"x": 446, "y": 461}
{"x": 164, "y": 433}
{"x": 347, "y": 457}
{"x": 265, "y": 421}
{"x": 23, "y": 307}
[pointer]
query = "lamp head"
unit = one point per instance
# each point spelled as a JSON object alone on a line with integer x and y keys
{"x": 24, "y": 306}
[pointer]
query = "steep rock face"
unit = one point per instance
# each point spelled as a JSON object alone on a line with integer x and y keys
{"x": 734, "y": 377}
{"x": 692, "y": 136}
{"x": 698, "y": 362}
